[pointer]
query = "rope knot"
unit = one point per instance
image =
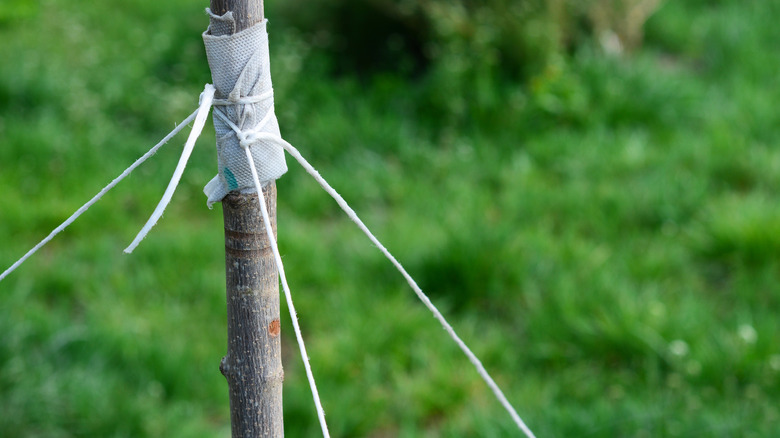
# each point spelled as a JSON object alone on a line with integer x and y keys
{"x": 248, "y": 138}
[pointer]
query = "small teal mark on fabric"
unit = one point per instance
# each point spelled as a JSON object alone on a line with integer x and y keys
{"x": 231, "y": 179}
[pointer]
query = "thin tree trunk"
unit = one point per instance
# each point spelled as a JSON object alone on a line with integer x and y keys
{"x": 246, "y": 12}
{"x": 253, "y": 364}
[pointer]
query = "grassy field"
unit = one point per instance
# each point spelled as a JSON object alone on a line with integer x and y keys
{"x": 605, "y": 235}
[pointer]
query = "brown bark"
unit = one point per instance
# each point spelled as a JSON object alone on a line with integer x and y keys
{"x": 245, "y": 12}
{"x": 253, "y": 364}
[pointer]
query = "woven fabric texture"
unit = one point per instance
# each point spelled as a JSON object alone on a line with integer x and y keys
{"x": 241, "y": 74}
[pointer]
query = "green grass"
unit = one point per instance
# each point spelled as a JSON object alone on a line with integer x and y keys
{"x": 605, "y": 237}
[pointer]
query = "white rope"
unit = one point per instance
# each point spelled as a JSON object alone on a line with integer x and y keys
{"x": 256, "y": 136}
{"x": 293, "y": 315}
{"x": 206, "y": 99}
{"x": 246, "y": 139}
{"x": 420, "y": 294}
{"x": 100, "y": 194}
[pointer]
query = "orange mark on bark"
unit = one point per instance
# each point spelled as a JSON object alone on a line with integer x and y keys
{"x": 274, "y": 328}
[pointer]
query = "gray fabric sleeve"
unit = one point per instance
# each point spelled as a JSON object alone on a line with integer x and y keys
{"x": 241, "y": 71}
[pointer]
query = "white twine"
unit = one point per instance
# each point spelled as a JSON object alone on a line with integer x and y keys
{"x": 288, "y": 295}
{"x": 246, "y": 139}
{"x": 206, "y": 99}
{"x": 100, "y": 194}
{"x": 413, "y": 284}
{"x": 251, "y": 136}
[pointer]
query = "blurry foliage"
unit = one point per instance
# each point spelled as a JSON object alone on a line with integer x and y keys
{"x": 741, "y": 231}
{"x": 466, "y": 49}
{"x": 617, "y": 24}
{"x": 14, "y": 10}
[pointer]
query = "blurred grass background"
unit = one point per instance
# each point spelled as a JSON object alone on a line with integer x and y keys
{"x": 589, "y": 190}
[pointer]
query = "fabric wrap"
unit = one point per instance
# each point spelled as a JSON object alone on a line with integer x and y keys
{"x": 241, "y": 74}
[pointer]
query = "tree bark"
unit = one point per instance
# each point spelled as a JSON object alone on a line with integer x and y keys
{"x": 253, "y": 364}
{"x": 246, "y": 12}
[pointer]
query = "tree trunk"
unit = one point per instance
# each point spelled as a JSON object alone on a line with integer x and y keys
{"x": 247, "y": 13}
{"x": 253, "y": 364}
